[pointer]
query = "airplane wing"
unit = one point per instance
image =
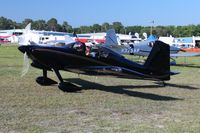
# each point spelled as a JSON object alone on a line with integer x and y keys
{"x": 69, "y": 40}
{"x": 114, "y": 71}
{"x": 184, "y": 54}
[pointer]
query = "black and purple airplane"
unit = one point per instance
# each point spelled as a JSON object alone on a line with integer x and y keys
{"x": 98, "y": 60}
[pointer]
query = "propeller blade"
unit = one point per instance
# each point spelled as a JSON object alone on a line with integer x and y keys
{"x": 26, "y": 65}
{"x": 26, "y": 37}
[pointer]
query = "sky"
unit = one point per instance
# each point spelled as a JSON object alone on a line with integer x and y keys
{"x": 88, "y": 12}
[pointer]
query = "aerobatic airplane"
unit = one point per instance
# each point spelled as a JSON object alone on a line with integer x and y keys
{"x": 101, "y": 60}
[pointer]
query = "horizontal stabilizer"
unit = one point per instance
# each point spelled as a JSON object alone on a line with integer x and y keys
{"x": 184, "y": 54}
{"x": 174, "y": 73}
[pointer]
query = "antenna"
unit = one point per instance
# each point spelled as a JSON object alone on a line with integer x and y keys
{"x": 152, "y": 26}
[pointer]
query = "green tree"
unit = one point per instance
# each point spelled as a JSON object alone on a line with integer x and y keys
{"x": 39, "y": 25}
{"x": 66, "y": 27}
{"x": 26, "y": 22}
{"x": 117, "y": 26}
{"x": 169, "y": 30}
{"x": 105, "y": 26}
{"x": 196, "y": 31}
{"x": 85, "y": 29}
{"x": 6, "y": 23}
{"x": 96, "y": 28}
{"x": 52, "y": 24}
{"x": 145, "y": 30}
{"x": 134, "y": 29}
{"x": 76, "y": 30}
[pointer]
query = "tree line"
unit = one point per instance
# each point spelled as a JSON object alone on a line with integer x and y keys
{"x": 53, "y": 25}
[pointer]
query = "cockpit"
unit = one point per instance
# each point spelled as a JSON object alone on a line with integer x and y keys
{"x": 80, "y": 47}
{"x": 150, "y": 44}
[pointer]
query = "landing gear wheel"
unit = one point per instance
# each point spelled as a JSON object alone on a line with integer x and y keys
{"x": 44, "y": 81}
{"x": 161, "y": 83}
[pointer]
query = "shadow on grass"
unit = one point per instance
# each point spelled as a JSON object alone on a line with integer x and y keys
{"x": 83, "y": 84}
{"x": 182, "y": 86}
{"x": 187, "y": 65}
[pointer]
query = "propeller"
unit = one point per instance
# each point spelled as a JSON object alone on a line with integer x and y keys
{"x": 26, "y": 65}
{"x": 24, "y": 40}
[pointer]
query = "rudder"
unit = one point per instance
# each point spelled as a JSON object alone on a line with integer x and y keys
{"x": 158, "y": 61}
{"x": 111, "y": 38}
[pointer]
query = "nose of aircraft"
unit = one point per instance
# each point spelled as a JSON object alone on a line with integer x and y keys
{"x": 23, "y": 48}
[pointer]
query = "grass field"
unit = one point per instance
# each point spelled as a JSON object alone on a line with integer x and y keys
{"x": 103, "y": 105}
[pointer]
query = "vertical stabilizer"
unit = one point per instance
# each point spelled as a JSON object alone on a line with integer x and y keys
{"x": 158, "y": 61}
{"x": 28, "y": 28}
{"x": 111, "y": 38}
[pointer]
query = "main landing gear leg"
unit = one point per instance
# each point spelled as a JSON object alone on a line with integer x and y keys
{"x": 59, "y": 76}
{"x": 163, "y": 83}
{"x": 44, "y": 80}
{"x": 65, "y": 86}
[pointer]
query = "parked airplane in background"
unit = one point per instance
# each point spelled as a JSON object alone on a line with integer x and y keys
{"x": 99, "y": 38}
{"x": 10, "y": 36}
{"x": 32, "y": 37}
{"x": 144, "y": 49}
{"x": 103, "y": 62}
{"x": 4, "y": 39}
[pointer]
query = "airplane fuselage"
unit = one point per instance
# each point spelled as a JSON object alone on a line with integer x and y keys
{"x": 104, "y": 62}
